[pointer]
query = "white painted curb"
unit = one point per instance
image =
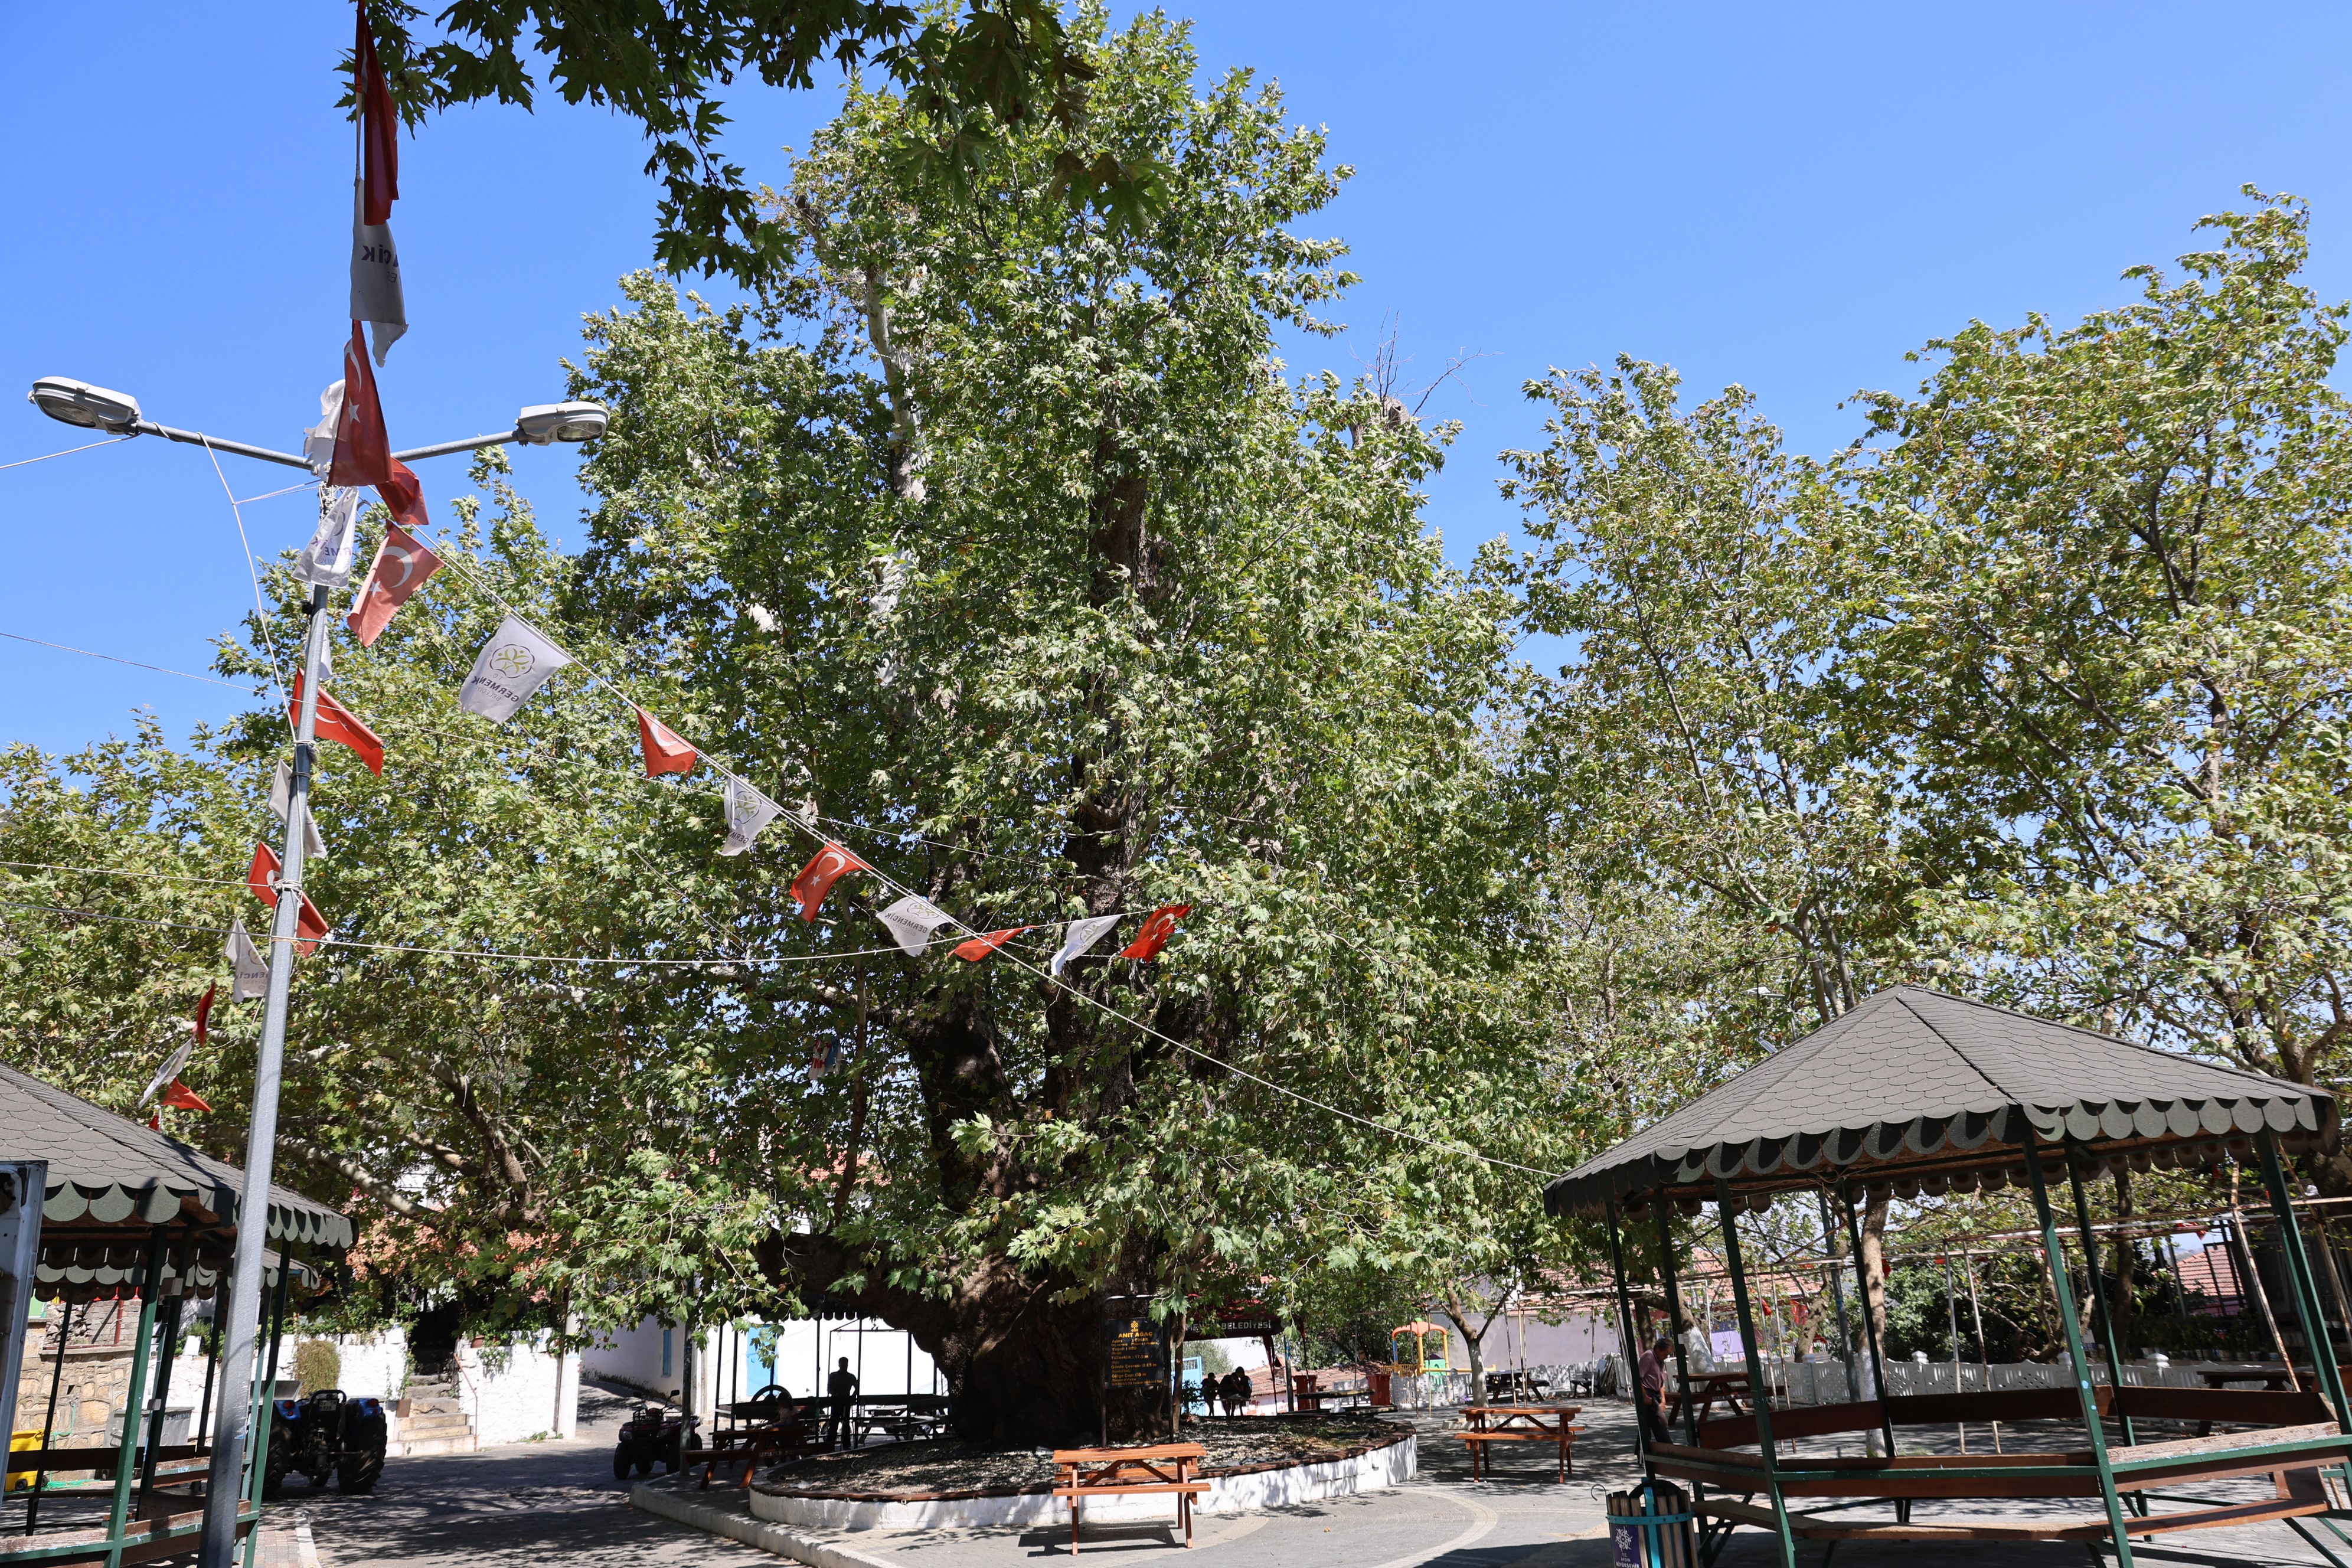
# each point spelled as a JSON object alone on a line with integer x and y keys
{"x": 767, "y": 1537}
{"x": 1390, "y": 1464}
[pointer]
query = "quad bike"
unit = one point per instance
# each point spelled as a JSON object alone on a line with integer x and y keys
{"x": 654, "y": 1432}
{"x": 326, "y": 1432}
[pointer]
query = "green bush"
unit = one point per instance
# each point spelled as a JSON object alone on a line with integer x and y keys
{"x": 317, "y": 1365}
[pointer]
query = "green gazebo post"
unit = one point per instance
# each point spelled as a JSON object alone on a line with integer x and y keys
{"x": 1759, "y": 1393}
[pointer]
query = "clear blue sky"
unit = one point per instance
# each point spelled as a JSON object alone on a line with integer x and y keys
{"x": 1789, "y": 197}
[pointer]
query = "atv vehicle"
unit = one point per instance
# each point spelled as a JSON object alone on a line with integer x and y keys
{"x": 654, "y": 1432}
{"x": 327, "y": 1433}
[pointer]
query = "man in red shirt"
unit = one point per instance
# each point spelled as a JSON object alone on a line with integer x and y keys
{"x": 1652, "y": 1401}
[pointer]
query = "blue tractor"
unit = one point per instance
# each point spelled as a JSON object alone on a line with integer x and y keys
{"x": 326, "y": 1432}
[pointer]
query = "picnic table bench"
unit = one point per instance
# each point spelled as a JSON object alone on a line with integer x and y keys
{"x": 1163, "y": 1467}
{"x": 770, "y": 1428}
{"x": 1707, "y": 1388}
{"x": 1520, "y": 1424}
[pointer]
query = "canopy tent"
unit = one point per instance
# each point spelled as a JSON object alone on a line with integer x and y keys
{"x": 1916, "y": 1091}
{"x": 113, "y": 1180}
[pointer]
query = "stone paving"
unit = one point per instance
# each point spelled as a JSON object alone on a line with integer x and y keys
{"x": 556, "y": 1502}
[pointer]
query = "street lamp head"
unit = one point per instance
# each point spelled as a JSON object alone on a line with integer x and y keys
{"x": 79, "y": 402}
{"x": 545, "y": 422}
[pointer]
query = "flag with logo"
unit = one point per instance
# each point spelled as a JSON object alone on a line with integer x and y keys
{"x": 282, "y": 801}
{"x": 981, "y": 946}
{"x": 326, "y": 561}
{"x": 826, "y": 866}
{"x": 748, "y": 812}
{"x": 402, "y": 565}
{"x": 375, "y": 263}
{"x": 666, "y": 752}
{"x": 512, "y": 665}
{"x": 1082, "y": 935}
{"x": 912, "y": 919}
{"x": 252, "y": 976}
{"x": 1157, "y": 930}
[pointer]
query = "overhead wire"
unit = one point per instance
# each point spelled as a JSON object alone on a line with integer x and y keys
{"x": 68, "y": 452}
{"x": 114, "y": 659}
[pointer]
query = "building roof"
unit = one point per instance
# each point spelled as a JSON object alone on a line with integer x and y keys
{"x": 1916, "y": 1090}
{"x": 112, "y": 1179}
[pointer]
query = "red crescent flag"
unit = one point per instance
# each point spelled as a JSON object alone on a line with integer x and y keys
{"x": 1156, "y": 931}
{"x": 665, "y": 751}
{"x": 826, "y": 866}
{"x": 401, "y": 567}
{"x": 337, "y": 722}
{"x": 204, "y": 1017}
{"x": 310, "y": 923}
{"x": 180, "y": 1096}
{"x": 379, "y": 130}
{"x": 262, "y": 875}
{"x": 979, "y": 947}
{"x": 362, "y": 451}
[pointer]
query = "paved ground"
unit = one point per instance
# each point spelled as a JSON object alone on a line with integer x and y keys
{"x": 556, "y": 1502}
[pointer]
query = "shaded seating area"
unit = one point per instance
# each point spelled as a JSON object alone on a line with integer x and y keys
{"x": 1914, "y": 1092}
{"x": 129, "y": 1214}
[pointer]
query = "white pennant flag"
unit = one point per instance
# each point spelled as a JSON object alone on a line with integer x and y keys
{"x": 318, "y": 440}
{"x": 1083, "y": 934}
{"x": 510, "y": 666}
{"x": 376, "y": 277}
{"x": 252, "y": 975}
{"x": 748, "y": 811}
{"x": 281, "y": 797}
{"x": 912, "y": 919}
{"x": 326, "y": 559}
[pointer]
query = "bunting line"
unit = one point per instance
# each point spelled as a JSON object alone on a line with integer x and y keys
{"x": 68, "y": 452}
{"x": 111, "y": 658}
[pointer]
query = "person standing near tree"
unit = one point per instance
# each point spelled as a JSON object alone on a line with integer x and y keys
{"x": 841, "y": 1388}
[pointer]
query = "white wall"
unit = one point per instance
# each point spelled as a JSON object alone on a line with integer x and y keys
{"x": 886, "y": 1360}
{"x": 1519, "y": 1338}
{"x": 374, "y": 1365}
{"x": 518, "y": 1391}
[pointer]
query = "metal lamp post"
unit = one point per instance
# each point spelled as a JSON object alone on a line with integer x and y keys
{"x": 96, "y": 408}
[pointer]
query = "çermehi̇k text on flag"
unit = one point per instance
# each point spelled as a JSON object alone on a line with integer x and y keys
{"x": 665, "y": 751}
{"x": 826, "y": 866}
{"x": 1157, "y": 930}
{"x": 252, "y": 976}
{"x": 402, "y": 565}
{"x": 748, "y": 813}
{"x": 912, "y": 921}
{"x": 376, "y": 296}
{"x": 337, "y": 722}
{"x": 1082, "y": 935}
{"x": 512, "y": 665}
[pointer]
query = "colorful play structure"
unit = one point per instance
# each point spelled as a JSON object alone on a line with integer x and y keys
{"x": 1916, "y": 1091}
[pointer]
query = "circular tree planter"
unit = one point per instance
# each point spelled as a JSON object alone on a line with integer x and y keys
{"x": 1384, "y": 1461}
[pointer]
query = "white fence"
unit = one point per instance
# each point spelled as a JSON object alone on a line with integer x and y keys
{"x": 1434, "y": 1390}
{"x": 1827, "y": 1383}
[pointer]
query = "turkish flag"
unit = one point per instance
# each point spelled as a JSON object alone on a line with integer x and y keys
{"x": 180, "y": 1096}
{"x": 262, "y": 874}
{"x": 979, "y": 947}
{"x": 401, "y": 567}
{"x": 205, "y": 1016}
{"x": 262, "y": 877}
{"x": 362, "y": 450}
{"x": 337, "y": 722}
{"x": 665, "y": 751}
{"x": 379, "y": 128}
{"x": 826, "y": 866}
{"x": 1156, "y": 931}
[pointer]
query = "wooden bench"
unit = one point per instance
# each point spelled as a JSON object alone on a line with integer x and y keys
{"x": 1520, "y": 1424}
{"x": 1166, "y": 1469}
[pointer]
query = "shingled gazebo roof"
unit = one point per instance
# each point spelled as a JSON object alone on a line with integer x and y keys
{"x": 111, "y": 1179}
{"x": 1916, "y": 1090}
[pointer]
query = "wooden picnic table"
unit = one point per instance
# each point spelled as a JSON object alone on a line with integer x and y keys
{"x": 1520, "y": 1424}
{"x": 1167, "y": 1469}
{"x": 2271, "y": 1375}
{"x": 1707, "y": 1388}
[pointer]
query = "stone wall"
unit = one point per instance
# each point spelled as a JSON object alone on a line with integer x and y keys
{"x": 513, "y": 1392}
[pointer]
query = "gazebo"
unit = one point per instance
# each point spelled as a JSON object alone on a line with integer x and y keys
{"x": 128, "y": 1211}
{"x": 1916, "y": 1091}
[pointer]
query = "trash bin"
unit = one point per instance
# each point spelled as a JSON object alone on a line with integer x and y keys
{"x": 1650, "y": 1527}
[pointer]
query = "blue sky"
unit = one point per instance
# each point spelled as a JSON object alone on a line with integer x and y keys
{"x": 1787, "y": 197}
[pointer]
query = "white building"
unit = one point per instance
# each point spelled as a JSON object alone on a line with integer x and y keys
{"x": 735, "y": 1361}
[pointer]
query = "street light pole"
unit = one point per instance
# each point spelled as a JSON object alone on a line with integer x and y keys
{"x": 232, "y": 1422}
{"x": 80, "y": 403}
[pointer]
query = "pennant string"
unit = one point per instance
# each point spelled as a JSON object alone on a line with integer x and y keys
{"x": 261, "y": 616}
{"x": 111, "y": 658}
{"x": 68, "y": 452}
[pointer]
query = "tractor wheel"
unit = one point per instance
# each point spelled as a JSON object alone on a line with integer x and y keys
{"x": 621, "y": 1466}
{"x": 277, "y": 1461}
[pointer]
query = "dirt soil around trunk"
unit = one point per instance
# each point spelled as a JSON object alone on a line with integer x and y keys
{"x": 950, "y": 1468}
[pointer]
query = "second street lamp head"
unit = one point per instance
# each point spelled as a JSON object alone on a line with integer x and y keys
{"x": 545, "y": 422}
{"x": 79, "y": 402}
